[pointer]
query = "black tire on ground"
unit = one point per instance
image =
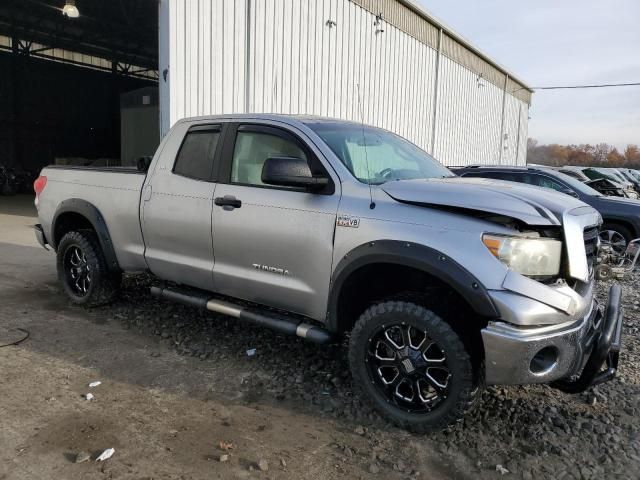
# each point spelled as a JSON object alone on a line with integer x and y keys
{"x": 82, "y": 270}
{"x": 375, "y": 337}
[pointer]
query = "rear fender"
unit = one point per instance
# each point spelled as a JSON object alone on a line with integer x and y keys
{"x": 91, "y": 213}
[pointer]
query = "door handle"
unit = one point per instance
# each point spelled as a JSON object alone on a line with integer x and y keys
{"x": 228, "y": 202}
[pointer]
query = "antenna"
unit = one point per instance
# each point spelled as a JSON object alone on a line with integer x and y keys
{"x": 372, "y": 205}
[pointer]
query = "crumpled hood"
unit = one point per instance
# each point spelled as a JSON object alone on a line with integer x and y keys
{"x": 529, "y": 204}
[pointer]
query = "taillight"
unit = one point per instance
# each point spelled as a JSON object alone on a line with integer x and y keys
{"x": 39, "y": 184}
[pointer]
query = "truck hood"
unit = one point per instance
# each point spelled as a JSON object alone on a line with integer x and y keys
{"x": 528, "y": 204}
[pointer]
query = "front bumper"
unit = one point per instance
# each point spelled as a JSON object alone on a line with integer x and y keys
{"x": 557, "y": 353}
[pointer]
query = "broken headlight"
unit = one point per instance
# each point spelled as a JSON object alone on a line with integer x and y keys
{"x": 532, "y": 257}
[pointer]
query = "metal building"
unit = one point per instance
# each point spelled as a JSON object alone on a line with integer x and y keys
{"x": 383, "y": 62}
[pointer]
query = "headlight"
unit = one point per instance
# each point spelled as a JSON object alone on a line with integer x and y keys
{"x": 533, "y": 257}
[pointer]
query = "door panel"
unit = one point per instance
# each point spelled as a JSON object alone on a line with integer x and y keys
{"x": 274, "y": 245}
{"x": 277, "y": 248}
{"x": 176, "y": 212}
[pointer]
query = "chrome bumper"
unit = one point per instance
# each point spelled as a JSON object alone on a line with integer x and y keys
{"x": 516, "y": 355}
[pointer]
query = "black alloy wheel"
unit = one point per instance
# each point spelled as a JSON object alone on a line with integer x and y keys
{"x": 408, "y": 367}
{"x": 77, "y": 271}
{"x": 83, "y": 271}
{"x": 411, "y": 365}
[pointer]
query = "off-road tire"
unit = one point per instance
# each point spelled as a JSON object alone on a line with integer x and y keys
{"x": 463, "y": 393}
{"x": 104, "y": 283}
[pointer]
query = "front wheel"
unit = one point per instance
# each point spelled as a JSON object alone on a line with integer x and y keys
{"x": 82, "y": 270}
{"x": 617, "y": 236}
{"x": 412, "y": 367}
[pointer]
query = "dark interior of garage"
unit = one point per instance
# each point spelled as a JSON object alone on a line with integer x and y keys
{"x": 64, "y": 79}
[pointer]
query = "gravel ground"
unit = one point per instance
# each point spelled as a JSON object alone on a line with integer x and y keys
{"x": 523, "y": 432}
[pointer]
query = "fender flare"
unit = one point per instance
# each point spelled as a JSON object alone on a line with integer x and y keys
{"x": 413, "y": 255}
{"x": 95, "y": 218}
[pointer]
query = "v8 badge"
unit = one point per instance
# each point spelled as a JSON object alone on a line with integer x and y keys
{"x": 348, "y": 221}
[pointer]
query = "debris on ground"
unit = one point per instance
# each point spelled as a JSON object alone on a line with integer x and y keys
{"x": 89, "y": 396}
{"x": 106, "y": 455}
{"x": 225, "y": 446}
{"x": 263, "y": 465}
{"x": 223, "y": 458}
{"x": 500, "y": 469}
{"x": 82, "y": 457}
{"x": 533, "y": 431}
{"x": 251, "y": 352}
{"x": 95, "y": 384}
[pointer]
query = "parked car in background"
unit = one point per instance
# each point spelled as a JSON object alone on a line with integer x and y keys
{"x": 600, "y": 180}
{"x": 602, "y": 185}
{"x": 596, "y": 173}
{"x": 14, "y": 181}
{"x": 322, "y": 227}
{"x": 634, "y": 173}
{"x": 631, "y": 176}
{"x": 572, "y": 171}
{"x": 621, "y": 216}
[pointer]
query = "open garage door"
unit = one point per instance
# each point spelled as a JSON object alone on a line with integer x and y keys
{"x": 77, "y": 89}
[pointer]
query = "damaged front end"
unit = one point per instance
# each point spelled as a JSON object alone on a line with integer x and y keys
{"x": 557, "y": 333}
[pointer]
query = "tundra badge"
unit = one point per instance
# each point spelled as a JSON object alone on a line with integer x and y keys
{"x": 267, "y": 268}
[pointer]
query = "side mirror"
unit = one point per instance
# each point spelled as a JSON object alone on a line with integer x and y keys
{"x": 291, "y": 172}
{"x": 143, "y": 164}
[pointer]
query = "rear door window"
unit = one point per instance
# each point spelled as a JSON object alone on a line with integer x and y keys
{"x": 546, "y": 182}
{"x": 197, "y": 153}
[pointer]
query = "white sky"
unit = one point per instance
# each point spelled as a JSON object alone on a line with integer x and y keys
{"x": 562, "y": 42}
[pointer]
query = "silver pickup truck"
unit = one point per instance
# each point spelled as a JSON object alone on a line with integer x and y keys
{"x": 318, "y": 227}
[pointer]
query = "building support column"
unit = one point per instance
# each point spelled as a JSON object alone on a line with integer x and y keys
{"x": 434, "y": 118}
{"x": 14, "y": 95}
{"x": 518, "y": 136}
{"x": 504, "y": 104}
{"x": 247, "y": 59}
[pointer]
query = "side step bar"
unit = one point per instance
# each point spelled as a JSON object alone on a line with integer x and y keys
{"x": 282, "y": 324}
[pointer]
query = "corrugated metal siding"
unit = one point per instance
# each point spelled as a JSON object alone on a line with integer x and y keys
{"x": 469, "y": 117}
{"x": 515, "y": 131}
{"x": 411, "y": 22}
{"x": 403, "y": 18}
{"x": 298, "y": 63}
{"x": 206, "y": 57}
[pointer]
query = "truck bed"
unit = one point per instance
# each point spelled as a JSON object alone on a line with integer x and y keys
{"x": 114, "y": 191}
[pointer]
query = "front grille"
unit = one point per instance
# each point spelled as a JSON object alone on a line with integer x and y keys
{"x": 591, "y": 246}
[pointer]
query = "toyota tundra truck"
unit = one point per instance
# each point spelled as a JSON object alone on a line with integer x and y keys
{"x": 324, "y": 228}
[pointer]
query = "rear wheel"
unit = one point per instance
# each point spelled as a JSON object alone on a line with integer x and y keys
{"x": 83, "y": 272}
{"x": 412, "y": 367}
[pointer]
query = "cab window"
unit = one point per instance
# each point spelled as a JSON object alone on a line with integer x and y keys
{"x": 547, "y": 182}
{"x": 196, "y": 156}
{"x": 252, "y": 148}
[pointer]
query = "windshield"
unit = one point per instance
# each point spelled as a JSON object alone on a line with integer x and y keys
{"x": 594, "y": 174}
{"x": 634, "y": 175}
{"x": 618, "y": 175}
{"x": 577, "y": 185}
{"x": 376, "y": 156}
